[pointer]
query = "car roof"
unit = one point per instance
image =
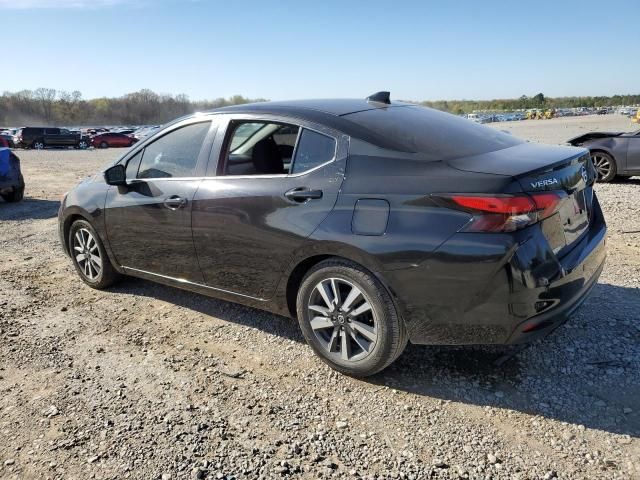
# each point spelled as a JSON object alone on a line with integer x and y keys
{"x": 331, "y": 106}
{"x": 331, "y": 113}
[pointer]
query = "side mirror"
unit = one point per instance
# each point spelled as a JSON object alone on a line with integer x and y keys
{"x": 116, "y": 175}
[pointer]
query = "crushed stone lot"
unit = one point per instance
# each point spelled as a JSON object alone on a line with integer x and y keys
{"x": 149, "y": 382}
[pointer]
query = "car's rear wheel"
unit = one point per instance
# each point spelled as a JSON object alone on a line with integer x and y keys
{"x": 82, "y": 144}
{"x": 104, "y": 145}
{"x": 605, "y": 166}
{"x": 89, "y": 256}
{"x": 15, "y": 196}
{"x": 348, "y": 318}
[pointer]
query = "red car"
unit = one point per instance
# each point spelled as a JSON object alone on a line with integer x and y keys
{"x": 112, "y": 139}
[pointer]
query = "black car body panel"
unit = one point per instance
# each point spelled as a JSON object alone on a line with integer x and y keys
{"x": 241, "y": 238}
{"x": 624, "y": 147}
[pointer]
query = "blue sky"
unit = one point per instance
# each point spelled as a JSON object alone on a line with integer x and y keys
{"x": 310, "y": 49}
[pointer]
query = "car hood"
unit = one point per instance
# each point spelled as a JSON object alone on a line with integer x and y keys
{"x": 592, "y": 136}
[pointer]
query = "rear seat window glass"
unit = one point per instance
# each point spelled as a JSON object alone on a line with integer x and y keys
{"x": 313, "y": 150}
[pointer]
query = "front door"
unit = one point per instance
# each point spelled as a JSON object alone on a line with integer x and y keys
{"x": 275, "y": 182}
{"x": 633, "y": 153}
{"x": 149, "y": 221}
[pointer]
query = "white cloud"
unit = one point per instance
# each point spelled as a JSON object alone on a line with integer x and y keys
{"x": 38, "y": 4}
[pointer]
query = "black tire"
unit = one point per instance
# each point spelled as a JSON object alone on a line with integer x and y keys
{"x": 100, "y": 278}
{"x": 38, "y": 145}
{"x": 15, "y": 196}
{"x": 383, "y": 319}
{"x": 82, "y": 145}
{"x": 605, "y": 166}
{"x": 104, "y": 145}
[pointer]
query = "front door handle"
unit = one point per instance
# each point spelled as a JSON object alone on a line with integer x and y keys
{"x": 302, "y": 194}
{"x": 175, "y": 202}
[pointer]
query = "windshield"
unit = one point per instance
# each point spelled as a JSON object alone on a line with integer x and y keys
{"x": 435, "y": 135}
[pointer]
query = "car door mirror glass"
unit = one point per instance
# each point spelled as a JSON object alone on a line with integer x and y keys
{"x": 116, "y": 175}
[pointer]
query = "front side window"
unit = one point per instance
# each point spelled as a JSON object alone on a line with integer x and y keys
{"x": 132, "y": 166}
{"x": 175, "y": 154}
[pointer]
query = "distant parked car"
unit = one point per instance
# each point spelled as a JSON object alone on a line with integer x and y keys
{"x": 613, "y": 153}
{"x": 144, "y": 132}
{"x": 6, "y": 140}
{"x": 42, "y": 137}
{"x": 112, "y": 139}
{"x": 11, "y": 180}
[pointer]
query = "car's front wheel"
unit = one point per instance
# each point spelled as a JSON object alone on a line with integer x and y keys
{"x": 89, "y": 256}
{"x": 82, "y": 145}
{"x": 605, "y": 166}
{"x": 348, "y": 318}
{"x": 104, "y": 145}
{"x": 38, "y": 145}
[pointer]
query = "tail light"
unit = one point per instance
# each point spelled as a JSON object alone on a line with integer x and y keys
{"x": 503, "y": 213}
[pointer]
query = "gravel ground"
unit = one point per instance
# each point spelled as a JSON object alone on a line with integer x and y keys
{"x": 146, "y": 381}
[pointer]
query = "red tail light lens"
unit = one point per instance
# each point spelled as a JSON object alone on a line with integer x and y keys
{"x": 503, "y": 213}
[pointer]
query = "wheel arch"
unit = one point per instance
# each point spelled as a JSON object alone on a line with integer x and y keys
{"x": 616, "y": 163}
{"x": 602, "y": 149}
{"x": 66, "y": 226}
{"x": 301, "y": 266}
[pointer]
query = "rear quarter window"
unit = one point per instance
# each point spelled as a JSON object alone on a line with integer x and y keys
{"x": 433, "y": 134}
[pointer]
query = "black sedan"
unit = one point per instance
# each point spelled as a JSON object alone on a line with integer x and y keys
{"x": 613, "y": 153}
{"x": 373, "y": 222}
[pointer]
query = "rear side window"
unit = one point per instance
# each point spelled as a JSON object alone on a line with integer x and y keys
{"x": 174, "y": 154}
{"x": 313, "y": 150}
{"x": 434, "y": 134}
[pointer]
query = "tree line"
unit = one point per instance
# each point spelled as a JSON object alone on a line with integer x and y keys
{"x": 47, "y": 106}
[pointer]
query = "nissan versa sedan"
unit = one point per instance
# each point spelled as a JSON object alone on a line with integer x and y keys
{"x": 372, "y": 222}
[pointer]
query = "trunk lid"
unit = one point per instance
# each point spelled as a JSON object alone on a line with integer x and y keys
{"x": 536, "y": 168}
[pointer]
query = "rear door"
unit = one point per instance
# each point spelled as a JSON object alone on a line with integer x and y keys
{"x": 52, "y": 137}
{"x": 149, "y": 221}
{"x": 270, "y": 184}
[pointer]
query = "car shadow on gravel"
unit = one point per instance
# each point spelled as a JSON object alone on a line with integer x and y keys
{"x": 627, "y": 180}
{"x": 585, "y": 373}
{"x": 232, "y": 312}
{"x": 28, "y": 209}
{"x": 565, "y": 377}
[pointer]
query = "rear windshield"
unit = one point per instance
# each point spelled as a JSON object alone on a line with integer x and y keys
{"x": 434, "y": 134}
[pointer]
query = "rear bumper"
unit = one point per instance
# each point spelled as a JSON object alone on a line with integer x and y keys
{"x": 497, "y": 289}
{"x": 572, "y": 290}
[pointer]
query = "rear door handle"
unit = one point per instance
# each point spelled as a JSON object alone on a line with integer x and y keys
{"x": 175, "y": 202}
{"x": 302, "y": 194}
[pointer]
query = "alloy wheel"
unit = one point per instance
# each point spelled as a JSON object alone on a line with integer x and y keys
{"x": 38, "y": 145}
{"x": 602, "y": 165}
{"x": 343, "y": 319}
{"x": 87, "y": 254}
